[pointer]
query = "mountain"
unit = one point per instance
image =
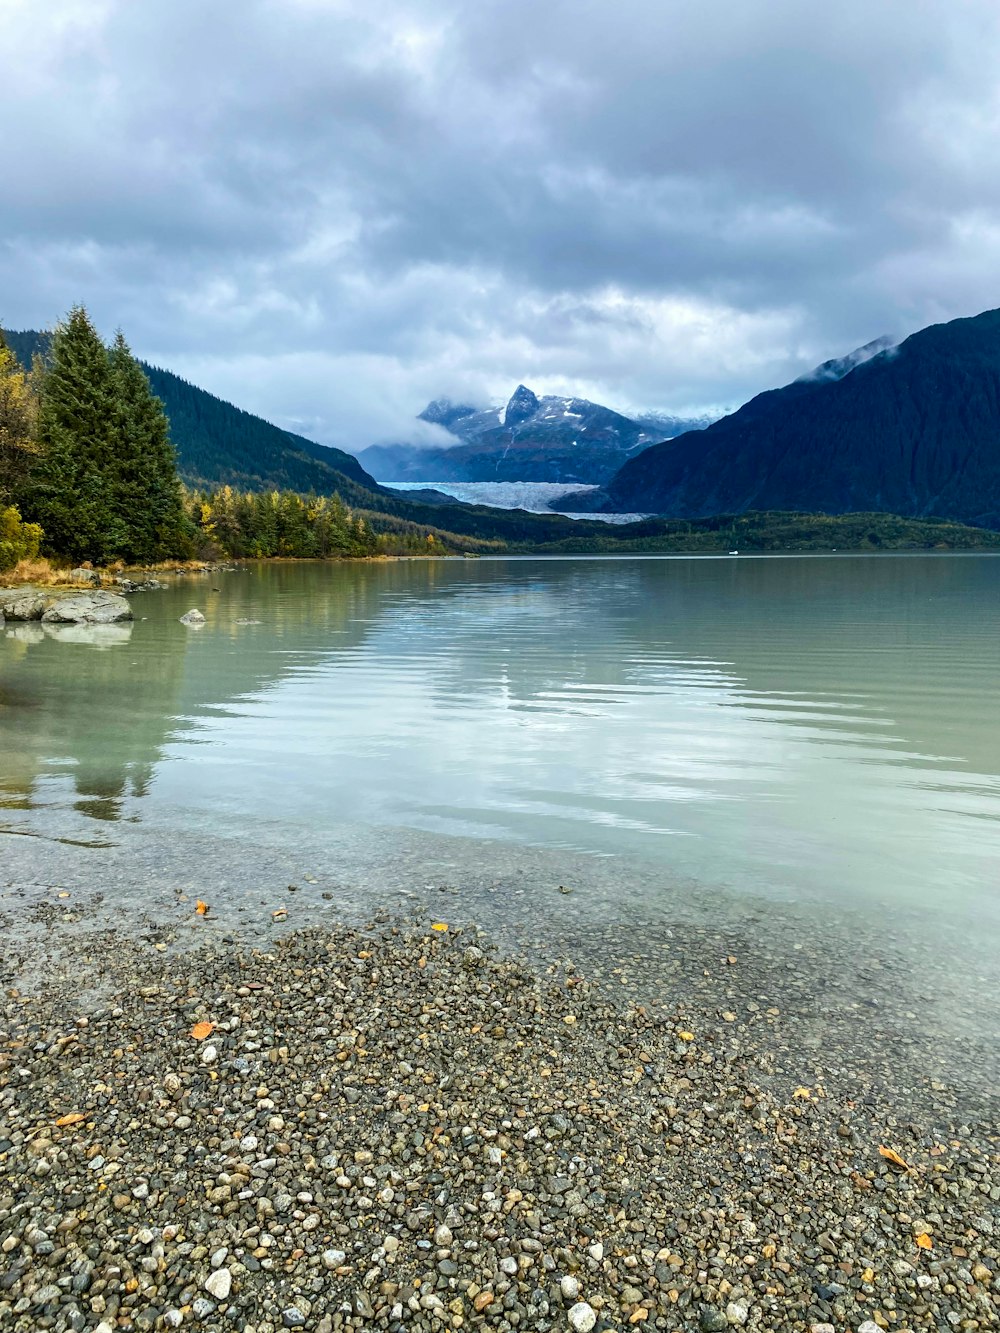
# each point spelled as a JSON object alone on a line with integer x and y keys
{"x": 219, "y": 444}
{"x": 911, "y": 430}
{"x": 531, "y": 439}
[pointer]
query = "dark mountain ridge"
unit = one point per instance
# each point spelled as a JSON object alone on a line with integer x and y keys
{"x": 911, "y": 430}
{"x": 531, "y": 439}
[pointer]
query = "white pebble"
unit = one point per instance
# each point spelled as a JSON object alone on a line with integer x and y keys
{"x": 209, "y": 1055}
{"x": 569, "y": 1287}
{"x": 219, "y": 1283}
{"x": 582, "y": 1317}
{"x": 596, "y": 1251}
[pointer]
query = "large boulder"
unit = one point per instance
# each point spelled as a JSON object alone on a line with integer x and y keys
{"x": 25, "y": 603}
{"x": 93, "y": 608}
{"x": 84, "y": 575}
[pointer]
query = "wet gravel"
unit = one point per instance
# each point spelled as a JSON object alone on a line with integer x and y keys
{"x": 402, "y": 1127}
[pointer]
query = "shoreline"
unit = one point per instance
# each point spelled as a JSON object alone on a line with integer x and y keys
{"x": 390, "y": 1123}
{"x": 147, "y": 575}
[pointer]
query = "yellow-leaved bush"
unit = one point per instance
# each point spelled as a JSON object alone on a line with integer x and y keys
{"x": 18, "y": 540}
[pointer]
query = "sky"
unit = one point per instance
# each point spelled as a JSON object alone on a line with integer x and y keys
{"x": 332, "y": 211}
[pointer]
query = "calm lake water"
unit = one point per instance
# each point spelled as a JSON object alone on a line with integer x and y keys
{"x": 810, "y": 735}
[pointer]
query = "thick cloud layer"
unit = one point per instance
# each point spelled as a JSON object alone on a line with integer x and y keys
{"x": 331, "y": 211}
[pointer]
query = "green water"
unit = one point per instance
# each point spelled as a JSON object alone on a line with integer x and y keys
{"x": 814, "y": 738}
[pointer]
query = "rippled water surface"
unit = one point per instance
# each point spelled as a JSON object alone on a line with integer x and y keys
{"x": 825, "y": 729}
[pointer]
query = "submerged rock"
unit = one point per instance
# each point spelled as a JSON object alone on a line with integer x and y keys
{"x": 193, "y": 617}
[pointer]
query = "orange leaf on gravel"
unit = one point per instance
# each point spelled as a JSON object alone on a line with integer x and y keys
{"x": 73, "y": 1118}
{"x": 201, "y": 908}
{"x": 924, "y": 1241}
{"x": 439, "y": 925}
{"x": 202, "y": 1030}
{"x": 893, "y": 1157}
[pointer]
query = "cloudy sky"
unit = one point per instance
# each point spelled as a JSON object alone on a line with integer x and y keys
{"x": 330, "y": 211}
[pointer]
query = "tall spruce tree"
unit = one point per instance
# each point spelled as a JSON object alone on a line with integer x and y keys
{"x": 72, "y": 487}
{"x": 146, "y": 492}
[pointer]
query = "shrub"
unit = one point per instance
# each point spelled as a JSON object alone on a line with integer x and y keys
{"x": 18, "y": 540}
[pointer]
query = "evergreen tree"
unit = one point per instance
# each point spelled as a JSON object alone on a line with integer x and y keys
{"x": 146, "y": 490}
{"x": 71, "y": 492}
{"x": 18, "y": 423}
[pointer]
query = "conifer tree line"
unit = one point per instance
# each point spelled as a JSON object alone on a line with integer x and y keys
{"x": 85, "y": 451}
{"x": 88, "y": 472}
{"x": 245, "y": 524}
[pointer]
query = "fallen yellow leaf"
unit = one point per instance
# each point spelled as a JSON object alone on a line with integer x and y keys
{"x": 686, "y": 1036}
{"x": 893, "y": 1157}
{"x": 924, "y": 1241}
{"x": 439, "y": 925}
{"x": 803, "y": 1094}
{"x": 201, "y": 908}
{"x": 202, "y": 1030}
{"x": 73, "y": 1118}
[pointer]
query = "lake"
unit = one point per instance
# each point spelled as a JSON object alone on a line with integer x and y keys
{"x": 812, "y": 743}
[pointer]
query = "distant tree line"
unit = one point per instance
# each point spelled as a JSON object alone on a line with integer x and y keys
{"x": 278, "y": 523}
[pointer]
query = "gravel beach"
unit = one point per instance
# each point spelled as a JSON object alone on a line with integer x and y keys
{"x": 403, "y": 1126}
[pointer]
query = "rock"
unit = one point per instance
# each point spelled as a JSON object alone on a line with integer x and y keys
{"x": 193, "y": 617}
{"x": 219, "y": 1283}
{"x": 209, "y": 1055}
{"x": 569, "y": 1287}
{"x": 92, "y": 608}
{"x": 333, "y": 1258}
{"x": 27, "y": 603}
{"x": 737, "y": 1312}
{"x": 443, "y": 1236}
{"x": 596, "y": 1251}
{"x": 711, "y": 1320}
{"x": 82, "y": 575}
{"x": 292, "y": 1317}
{"x": 582, "y": 1317}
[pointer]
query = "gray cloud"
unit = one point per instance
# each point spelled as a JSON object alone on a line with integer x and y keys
{"x": 331, "y": 211}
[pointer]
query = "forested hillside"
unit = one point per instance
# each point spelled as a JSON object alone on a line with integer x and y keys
{"x": 911, "y": 430}
{"x": 218, "y": 444}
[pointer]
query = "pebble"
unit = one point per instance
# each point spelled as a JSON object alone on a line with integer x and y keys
{"x": 582, "y": 1317}
{"x": 468, "y": 1178}
{"x": 219, "y": 1283}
